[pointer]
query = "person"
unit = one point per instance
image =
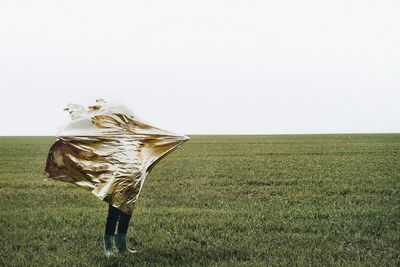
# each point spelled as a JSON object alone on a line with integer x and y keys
{"x": 116, "y": 220}
{"x": 109, "y": 151}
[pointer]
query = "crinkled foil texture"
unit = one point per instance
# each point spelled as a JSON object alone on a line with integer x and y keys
{"x": 109, "y": 151}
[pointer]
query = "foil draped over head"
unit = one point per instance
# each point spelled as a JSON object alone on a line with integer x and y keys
{"x": 108, "y": 150}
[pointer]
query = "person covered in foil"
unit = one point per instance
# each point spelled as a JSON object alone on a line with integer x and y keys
{"x": 109, "y": 151}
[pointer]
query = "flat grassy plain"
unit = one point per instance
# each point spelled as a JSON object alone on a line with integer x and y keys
{"x": 281, "y": 200}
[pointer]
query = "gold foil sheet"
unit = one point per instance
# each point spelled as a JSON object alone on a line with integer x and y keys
{"x": 109, "y": 151}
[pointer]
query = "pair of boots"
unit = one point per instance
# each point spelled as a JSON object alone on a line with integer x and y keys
{"x": 120, "y": 243}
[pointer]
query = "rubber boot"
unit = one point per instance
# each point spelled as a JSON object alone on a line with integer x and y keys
{"x": 108, "y": 245}
{"x": 120, "y": 243}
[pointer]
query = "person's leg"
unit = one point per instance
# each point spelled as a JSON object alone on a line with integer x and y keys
{"x": 111, "y": 223}
{"x": 112, "y": 219}
{"x": 120, "y": 238}
{"x": 123, "y": 223}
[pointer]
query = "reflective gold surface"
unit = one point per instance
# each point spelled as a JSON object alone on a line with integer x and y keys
{"x": 109, "y": 151}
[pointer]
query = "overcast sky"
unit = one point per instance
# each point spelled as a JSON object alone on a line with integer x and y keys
{"x": 204, "y": 66}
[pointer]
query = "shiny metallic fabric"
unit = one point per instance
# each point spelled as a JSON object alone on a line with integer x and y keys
{"x": 108, "y": 150}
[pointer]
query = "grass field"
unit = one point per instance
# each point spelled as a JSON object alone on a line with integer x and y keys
{"x": 218, "y": 200}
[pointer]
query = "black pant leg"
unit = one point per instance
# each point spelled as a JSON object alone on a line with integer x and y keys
{"x": 112, "y": 219}
{"x": 123, "y": 222}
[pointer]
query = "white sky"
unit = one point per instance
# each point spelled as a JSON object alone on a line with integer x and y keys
{"x": 204, "y": 66}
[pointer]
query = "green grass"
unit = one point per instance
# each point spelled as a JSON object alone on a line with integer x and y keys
{"x": 218, "y": 200}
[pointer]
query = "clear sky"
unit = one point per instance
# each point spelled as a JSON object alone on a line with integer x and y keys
{"x": 213, "y": 66}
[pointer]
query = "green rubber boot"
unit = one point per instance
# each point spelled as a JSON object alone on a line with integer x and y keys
{"x": 120, "y": 243}
{"x": 108, "y": 245}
